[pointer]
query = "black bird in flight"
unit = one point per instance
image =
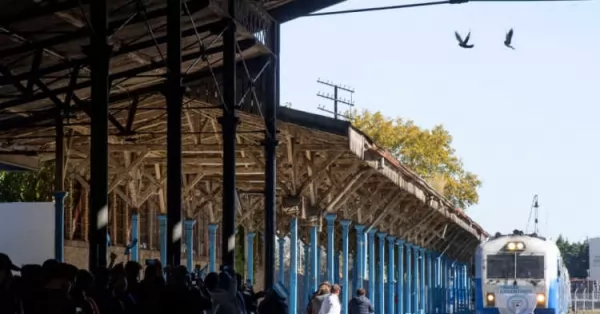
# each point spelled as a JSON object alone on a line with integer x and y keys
{"x": 508, "y": 40}
{"x": 464, "y": 43}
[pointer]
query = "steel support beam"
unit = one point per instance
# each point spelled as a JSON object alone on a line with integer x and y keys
{"x": 390, "y": 275}
{"x": 400, "y": 276}
{"x": 314, "y": 259}
{"x": 135, "y": 235}
{"x": 422, "y": 299}
{"x": 372, "y": 276}
{"x": 345, "y": 271}
{"x": 330, "y": 265}
{"x": 189, "y": 243}
{"x": 409, "y": 280}
{"x": 99, "y": 51}
{"x": 293, "y": 288}
{"x": 360, "y": 256}
{"x": 174, "y": 98}
{"x": 229, "y": 122}
{"x": 380, "y": 307}
{"x": 270, "y": 145}
{"x": 250, "y": 256}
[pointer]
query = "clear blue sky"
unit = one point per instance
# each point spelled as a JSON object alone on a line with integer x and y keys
{"x": 525, "y": 121}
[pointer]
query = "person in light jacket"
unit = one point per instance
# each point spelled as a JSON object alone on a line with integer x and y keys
{"x": 332, "y": 304}
{"x": 360, "y": 304}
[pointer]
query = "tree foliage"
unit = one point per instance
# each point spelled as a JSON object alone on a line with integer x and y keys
{"x": 575, "y": 256}
{"x": 427, "y": 152}
{"x": 28, "y": 186}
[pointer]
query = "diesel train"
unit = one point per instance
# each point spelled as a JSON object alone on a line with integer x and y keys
{"x": 520, "y": 274}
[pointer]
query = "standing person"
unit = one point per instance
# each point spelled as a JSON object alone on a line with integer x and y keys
{"x": 314, "y": 306}
{"x": 360, "y": 304}
{"x": 332, "y": 304}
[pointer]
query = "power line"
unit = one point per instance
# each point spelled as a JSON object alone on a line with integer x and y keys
{"x": 335, "y": 97}
{"x": 393, "y": 7}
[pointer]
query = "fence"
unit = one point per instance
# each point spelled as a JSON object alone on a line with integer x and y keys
{"x": 585, "y": 300}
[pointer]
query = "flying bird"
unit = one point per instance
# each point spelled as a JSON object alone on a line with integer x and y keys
{"x": 464, "y": 43}
{"x": 508, "y": 40}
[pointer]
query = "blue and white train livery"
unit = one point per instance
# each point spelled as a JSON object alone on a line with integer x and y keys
{"x": 520, "y": 274}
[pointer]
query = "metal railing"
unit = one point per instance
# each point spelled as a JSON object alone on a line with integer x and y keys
{"x": 585, "y": 300}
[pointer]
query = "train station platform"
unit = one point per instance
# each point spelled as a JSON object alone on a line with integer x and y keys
{"x": 183, "y": 149}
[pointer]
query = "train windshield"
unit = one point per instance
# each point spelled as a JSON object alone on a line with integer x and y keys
{"x": 503, "y": 266}
{"x": 530, "y": 267}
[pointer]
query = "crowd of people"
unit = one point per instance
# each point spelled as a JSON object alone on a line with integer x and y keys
{"x": 62, "y": 288}
{"x": 326, "y": 300}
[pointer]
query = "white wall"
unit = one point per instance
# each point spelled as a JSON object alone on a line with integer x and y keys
{"x": 27, "y": 232}
{"x": 594, "y": 258}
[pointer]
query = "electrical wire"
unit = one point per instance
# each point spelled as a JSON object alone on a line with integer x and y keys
{"x": 393, "y": 7}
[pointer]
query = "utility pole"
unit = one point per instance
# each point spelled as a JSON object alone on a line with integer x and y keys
{"x": 335, "y": 97}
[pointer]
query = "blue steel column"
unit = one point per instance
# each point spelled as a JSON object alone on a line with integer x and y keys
{"x": 59, "y": 225}
{"x": 250, "y": 256}
{"x": 409, "y": 280}
{"x": 380, "y": 308}
{"x": 390, "y": 275}
{"x": 465, "y": 286}
{"x": 330, "y": 246}
{"x": 444, "y": 278}
{"x": 454, "y": 285}
{"x": 416, "y": 286}
{"x": 162, "y": 233}
{"x": 422, "y": 296}
{"x": 212, "y": 247}
{"x": 281, "y": 276}
{"x": 430, "y": 290}
{"x": 461, "y": 284}
{"x": 306, "y": 288}
{"x": 345, "y": 271}
{"x": 189, "y": 243}
{"x": 400, "y": 277}
{"x": 372, "y": 276}
{"x": 436, "y": 283}
{"x": 293, "y": 299}
{"x": 314, "y": 259}
{"x": 135, "y": 235}
{"x": 360, "y": 255}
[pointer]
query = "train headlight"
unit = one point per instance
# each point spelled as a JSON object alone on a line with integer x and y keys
{"x": 540, "y": 300}
{"x": 515, "y": 246}
{"x": 490, "y": 299}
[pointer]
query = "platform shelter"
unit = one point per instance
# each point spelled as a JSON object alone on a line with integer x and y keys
{"x": 161, "y": 120}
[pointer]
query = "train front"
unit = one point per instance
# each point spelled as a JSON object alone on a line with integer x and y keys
{"x": 510, "y": 276}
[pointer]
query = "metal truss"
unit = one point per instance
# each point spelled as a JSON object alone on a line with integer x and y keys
{"x": 252, "y": 18}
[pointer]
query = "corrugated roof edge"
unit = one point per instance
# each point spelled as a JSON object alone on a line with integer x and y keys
{"x": 404, "y": 170}
{"x": 344, "y": 128}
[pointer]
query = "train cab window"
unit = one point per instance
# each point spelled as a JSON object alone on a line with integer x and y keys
{"x": 530, "y": 267}
{"x": 500, "y": 266}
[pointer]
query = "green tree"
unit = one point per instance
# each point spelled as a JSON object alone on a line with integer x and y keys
{"x": 427, "y": 152}
{"x": 575, "y": 256}
{"x": 28, "y": 186}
